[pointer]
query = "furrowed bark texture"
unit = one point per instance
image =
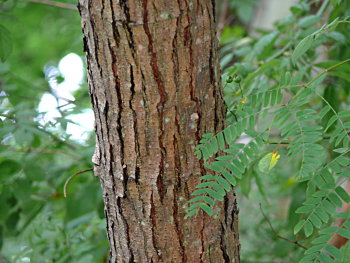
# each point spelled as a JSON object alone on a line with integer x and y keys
{"x": 155, "y": 88}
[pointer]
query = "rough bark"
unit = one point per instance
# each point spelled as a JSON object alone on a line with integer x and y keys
{"x": 155, "y": 88}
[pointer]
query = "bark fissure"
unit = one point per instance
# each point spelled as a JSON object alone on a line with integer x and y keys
{"x": 113, "y": 242}
{"x": 137, "y": 145}
{"x": 177, "y": 187}
{"x": 100, "y": 135}
{"x": 119, "y": 118}
{"x": 202, "y": 239}
{"x": 223, "y": 246}
{"x": 154, "y": 225}
{"x": 114, "y": 25}
{"x": 126, "y": 24}
{"x": 95, "y": 38}
{"x": 161, "y": 103}
{"x": 145, "y": 99}
{"x": 188, "y": 41}
{"x": 125, "y": 222}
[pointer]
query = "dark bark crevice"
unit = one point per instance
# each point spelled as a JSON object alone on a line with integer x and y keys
{"x": 161, "y": 104}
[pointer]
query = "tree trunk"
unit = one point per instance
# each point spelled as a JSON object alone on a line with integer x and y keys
{"x": 155, "y": 88}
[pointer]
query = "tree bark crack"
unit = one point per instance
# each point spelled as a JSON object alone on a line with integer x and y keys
{"x": 153, "y": 227}
{"x": 129, "y": 245}
{"x": 160, "y": 106}
{"x": 177, "y": 187}
{"x": 136, "y": 134}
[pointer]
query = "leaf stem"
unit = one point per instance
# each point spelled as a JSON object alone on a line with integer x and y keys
{"x": 242, "y": 95}
{"x": 278, "y": 235}
{"x": 276, "y": 142}
{"x": 71, "y": 177}
{"x": 323, "y": 7}
{"x": 325, "y": 71}
{"x": 54, "y": 3}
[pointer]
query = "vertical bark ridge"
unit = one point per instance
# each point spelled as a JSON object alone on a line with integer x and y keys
{"x": 176, "y": 189}
{"x": 161, "y": 103}
{"x": 155, "y": 88}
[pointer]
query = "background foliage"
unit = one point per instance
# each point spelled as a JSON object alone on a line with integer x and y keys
{"x": 36, "y": 157}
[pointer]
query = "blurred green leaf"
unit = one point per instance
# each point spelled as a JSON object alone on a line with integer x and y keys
{"x": 9, "y": 167}
{"x": 5, "y": 43}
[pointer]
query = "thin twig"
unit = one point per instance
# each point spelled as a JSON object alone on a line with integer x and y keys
{"x": 242, "y": 95}
{"x": 322, "y": 8}
{"x": 54, "y": 3}
{"x": 64, "y": 105}
{"x": 71, "y": 177}
{"x": 278, "y": 235}
{"x": 41, "y": 151}
{"x": 276, "y": 142}
{"x": 325, "y": 71}
{"x": 57, "y": 139}
{"x": 234, "y": 115}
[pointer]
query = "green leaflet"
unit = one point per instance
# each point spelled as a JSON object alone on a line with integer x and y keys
{"x": 268, "y": 162}
{"x": 229, "y": 169}
{"x": 299, "y": 226}
{"x": 308, "y": 228}
{"x": 309, "y": 21}
{"x": 303, "y": 46}
{"x": 5, "y": 43}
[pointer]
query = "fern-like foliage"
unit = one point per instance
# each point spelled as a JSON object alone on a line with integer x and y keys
{"x": 323, "y": 196}
{"x": 321, "y": 250}
{"x": 228, "y": 169}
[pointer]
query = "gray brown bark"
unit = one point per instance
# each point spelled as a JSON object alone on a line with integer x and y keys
{"x": 155, "y": 88}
